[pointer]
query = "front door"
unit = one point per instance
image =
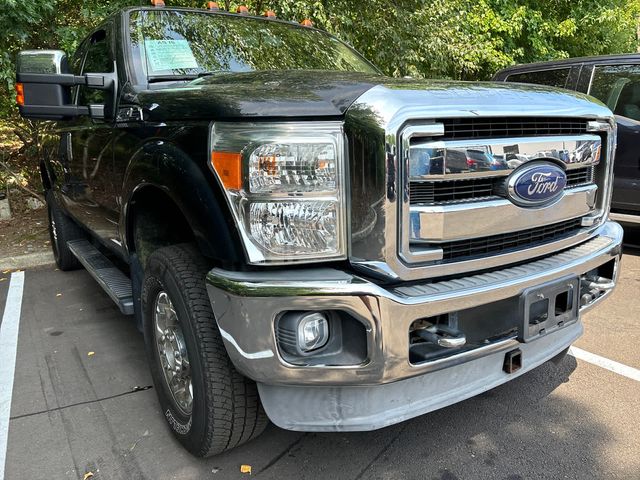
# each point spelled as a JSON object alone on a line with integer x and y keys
{"x": 88, "y": 190}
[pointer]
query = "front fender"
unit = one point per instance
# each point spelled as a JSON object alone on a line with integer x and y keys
{"x": 167, "y": 167}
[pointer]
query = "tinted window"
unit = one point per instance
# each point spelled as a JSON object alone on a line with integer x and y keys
{"x": 76, "y": 64}
{"x": 98, "y": 60}
{"x": 618, "y": 86}
{"x": 187, "y": 43}
{"x": 553, "y": 78}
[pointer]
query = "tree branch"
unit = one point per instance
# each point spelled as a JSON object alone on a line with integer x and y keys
{"x": 26, "y": 189}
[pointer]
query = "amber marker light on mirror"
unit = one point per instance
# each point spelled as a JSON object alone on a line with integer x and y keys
{"x": 228, "y": 166}
{"x": 20, "y": 94}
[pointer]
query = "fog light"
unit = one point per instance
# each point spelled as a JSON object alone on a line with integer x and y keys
{"x": 313, "y": 332}
{"x": 301, "y": 333}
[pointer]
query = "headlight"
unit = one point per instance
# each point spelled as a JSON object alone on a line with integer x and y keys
{"x": 285, "y": 185}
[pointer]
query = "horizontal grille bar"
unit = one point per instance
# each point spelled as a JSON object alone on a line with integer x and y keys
{"x": 436, "y": 192}
{"x": 497, "y": 244}
{"x": 459, "y": 128}
{"x": 580, "y": 176}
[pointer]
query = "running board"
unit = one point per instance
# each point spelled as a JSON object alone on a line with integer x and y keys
{"x": 109, "y": 277}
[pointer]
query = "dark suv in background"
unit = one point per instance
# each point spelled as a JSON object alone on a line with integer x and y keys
{"x": 614, "y": 80}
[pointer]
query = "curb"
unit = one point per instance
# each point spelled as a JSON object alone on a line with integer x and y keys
{"x": 30, "y": 260}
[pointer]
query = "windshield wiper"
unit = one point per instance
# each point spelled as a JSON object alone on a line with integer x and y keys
{"x": 210, "y": 73}
{"x": 171, "y": 78}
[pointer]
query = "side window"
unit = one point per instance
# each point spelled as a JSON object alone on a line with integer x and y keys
{"x": 618, "y": 86}
{"x": 553, "y": 78}
{"x": 98, "y": 60}
{"x": 76, "y": 64}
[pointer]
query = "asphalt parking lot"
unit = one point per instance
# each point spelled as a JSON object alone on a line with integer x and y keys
{"x": 82, "y": 402}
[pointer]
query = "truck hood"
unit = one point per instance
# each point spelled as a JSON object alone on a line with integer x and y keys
{"x": 267, "y": 94}
{"x": 323, "y": 94}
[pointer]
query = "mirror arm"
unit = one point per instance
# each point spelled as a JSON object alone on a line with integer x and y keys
{"x": 54, "y": 112}
{"x": 65, "y": 79}
{"x": 99, "y": 81}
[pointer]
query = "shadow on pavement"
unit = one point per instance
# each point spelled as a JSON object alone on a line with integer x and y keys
{"x": 516, "y": 431}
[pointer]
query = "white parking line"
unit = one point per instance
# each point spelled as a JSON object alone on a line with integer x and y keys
{"x": 8, "y": 349}
{"x": 602, "y": 362}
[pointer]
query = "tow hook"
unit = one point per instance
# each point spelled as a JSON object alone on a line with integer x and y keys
{"x": 512, "y": 361}
{"x": 443, "y": 336}
{"x": 594, "y": 287}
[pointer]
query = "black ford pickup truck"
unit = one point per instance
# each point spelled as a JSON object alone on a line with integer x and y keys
{"x": 614, "y": 80}
{"x": 303, "y": 239}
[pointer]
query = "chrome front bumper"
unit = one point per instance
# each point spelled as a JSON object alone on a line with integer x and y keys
{"x": 387, "y": 388}
{"x": 246, "y": 305}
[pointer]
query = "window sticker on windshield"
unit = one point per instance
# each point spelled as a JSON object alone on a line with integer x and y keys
{"x": 169, "y": 55}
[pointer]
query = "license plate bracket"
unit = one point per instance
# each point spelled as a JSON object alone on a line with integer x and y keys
{"x": 549, "y": 307}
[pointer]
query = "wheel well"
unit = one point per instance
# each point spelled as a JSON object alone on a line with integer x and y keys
{"x": 155, "y": 221}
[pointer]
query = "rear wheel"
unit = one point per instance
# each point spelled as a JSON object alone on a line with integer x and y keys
{"x": 209, "y": 406}
{"x": 62, "y": 229}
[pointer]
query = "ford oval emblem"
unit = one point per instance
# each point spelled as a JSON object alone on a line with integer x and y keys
{"x": 536, "y": 184}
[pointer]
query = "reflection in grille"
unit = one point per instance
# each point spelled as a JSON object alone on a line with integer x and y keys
{"x": 511, "y": 127}
{"x": 497, "y": 244}
{"x": 477, "y": 188}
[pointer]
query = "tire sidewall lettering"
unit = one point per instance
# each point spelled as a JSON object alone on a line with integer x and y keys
{"x": 177, "y": 425}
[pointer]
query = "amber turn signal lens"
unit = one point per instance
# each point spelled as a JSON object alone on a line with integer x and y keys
{"x": 20, "y": 94}
{"x": 270, "y": 14}
{"x": 228, "y": 166}
{"x": 242, "y": 10}
{"x": 213, "y": 6}
{"x": 157, "y": 3}
{"x": 306, "y": 22}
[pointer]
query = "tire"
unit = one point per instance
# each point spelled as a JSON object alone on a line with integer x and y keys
{"x": 225, "y": 407}
{"x": 62, "y": 229}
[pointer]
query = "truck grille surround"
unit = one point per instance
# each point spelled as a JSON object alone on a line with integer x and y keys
{"x": 456, "y": 206}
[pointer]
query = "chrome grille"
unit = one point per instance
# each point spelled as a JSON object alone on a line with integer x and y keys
{"x": 580, "y": 176}
{"x": 496, "y": 244}
{"x": 463, "y": 128}
{"x": 438, "y": 192}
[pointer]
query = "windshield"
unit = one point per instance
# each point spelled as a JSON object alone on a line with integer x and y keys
{"x": 184, "y": 44}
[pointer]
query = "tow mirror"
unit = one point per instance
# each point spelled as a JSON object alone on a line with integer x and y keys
{"x": 43, "y": 86}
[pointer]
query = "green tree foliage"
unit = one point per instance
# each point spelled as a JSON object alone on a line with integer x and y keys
{"x": 438, "y": 38}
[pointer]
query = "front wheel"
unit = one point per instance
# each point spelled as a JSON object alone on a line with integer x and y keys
{"x": 209, "y": 406}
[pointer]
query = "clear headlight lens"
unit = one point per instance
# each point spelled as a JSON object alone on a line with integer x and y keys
{"x": 285, "y": 186}
{"x": 294, "y": 228}
{"x": 297, "y": 167}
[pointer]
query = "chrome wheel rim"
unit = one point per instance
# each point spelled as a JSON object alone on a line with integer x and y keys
{"x": 172, "y": 351}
